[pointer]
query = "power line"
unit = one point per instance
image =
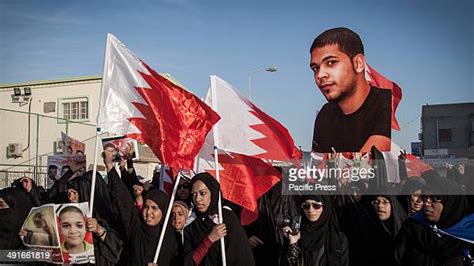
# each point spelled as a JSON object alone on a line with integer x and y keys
{"x": 411, "y": 121}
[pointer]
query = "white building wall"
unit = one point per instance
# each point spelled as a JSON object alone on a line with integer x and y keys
{"x": 42, "y": 135}
{"x": 14, "y": 121}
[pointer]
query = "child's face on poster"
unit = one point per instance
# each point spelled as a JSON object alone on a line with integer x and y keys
{"x": 38, "y": 220}
{"x": 73, "y": 228}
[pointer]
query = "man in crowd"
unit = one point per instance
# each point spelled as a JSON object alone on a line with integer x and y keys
{"x": 52, "y": 172}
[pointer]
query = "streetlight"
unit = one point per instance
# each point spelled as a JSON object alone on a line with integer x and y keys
{"x": 270, "y": 69}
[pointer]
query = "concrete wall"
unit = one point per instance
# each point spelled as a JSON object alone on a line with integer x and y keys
{"x": 457, "y": 117}
{"x": 44, "y": 129}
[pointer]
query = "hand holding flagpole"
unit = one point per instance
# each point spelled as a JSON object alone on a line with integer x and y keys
{"x": 94, "y": 173}
{"x": 139, "y": 102}
{"x": 216, "y": 160}
{"x": 167, "y": 217}
{"x": 219, "y": 208}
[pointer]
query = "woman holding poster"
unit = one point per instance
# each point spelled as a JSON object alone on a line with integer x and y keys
{"x": 107, "y": 243}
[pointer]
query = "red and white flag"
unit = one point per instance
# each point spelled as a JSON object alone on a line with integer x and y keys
{"x": 414, "y": 166}
{"x": 247, "y": 139}
{"x": 379, "y": 81}
{"x": 138, "y": 102}
{"x": 166, "y": 180}
{"x": 243, "y": 179}
{"x": 245, "y": 129}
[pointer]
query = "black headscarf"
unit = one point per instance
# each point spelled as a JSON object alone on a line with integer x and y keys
{"x": 12, "y": 219}
{"x": 421, "y": 242}
{"x": 323, "y": 232}
{"x": 213, "y": 186}
{"x": 35, "y": 194}
{"x": 145, "y": 240}
{"x": 381, "y": 240}
{"x": 161, "y": 199}
{"x": 397, "y": 216}
{"x": 455, "y": 205}
{"x": 73, "y": 184}
{"x": 142, "y": 239}
{"x": 102, "y": 203}
{"x": 411, "y": 185}
{"x": 184, "y": 180}
{"x": 82, "y": 184}
{"x": 238, "y": 251}
{"x": 313, "y": 233}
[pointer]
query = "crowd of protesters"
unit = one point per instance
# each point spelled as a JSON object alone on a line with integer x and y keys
{"x": 350, "y": 229}
{"x": 421, "y": 220}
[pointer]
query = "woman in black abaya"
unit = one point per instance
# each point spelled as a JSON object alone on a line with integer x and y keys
{"x": 201, "y": 237}
{"x": 444, "y": 206}
{"x": 410, "y": 195}
{"x": 143, "y": 229}
{"x": 319, "y": 242}
{"x": 107, "y": 244}
{"x": 388, "y": 215}
{"x": 14, "y": 207}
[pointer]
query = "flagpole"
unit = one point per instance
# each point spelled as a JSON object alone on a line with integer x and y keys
{"x": 161, "y": 185}
{"x": 219, "y": 206}
{"x": 94, "y": 172}
{"x": 216, "y": 160}
{"x": 97, "y": 137}
{"x": 167, "y": 216}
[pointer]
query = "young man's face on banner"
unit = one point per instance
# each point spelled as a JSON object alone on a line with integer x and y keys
{"x": 333, "y": 72}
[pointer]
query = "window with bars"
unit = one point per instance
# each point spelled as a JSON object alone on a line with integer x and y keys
{"x": 75, "y": 108}
{"x": 445, "y": 134}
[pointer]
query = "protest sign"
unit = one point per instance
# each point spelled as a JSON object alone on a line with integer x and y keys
{"x": 60, "y": 230}
{"x": 123, "y": 146}
{"x": 73, "y": 146}
{"x": 41, "y": 233}
{"x": 58, "y": 165}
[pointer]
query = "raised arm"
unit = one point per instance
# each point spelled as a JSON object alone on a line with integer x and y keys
{"x": 59, "y": 187}
{"x": 121, "y": 196}
{"x": 129, "y": 176}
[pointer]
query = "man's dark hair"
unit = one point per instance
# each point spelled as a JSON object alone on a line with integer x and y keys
{"x": 348, "y": 41}
{"x": 107, "y": 145}
{"x": 52, "y": 167}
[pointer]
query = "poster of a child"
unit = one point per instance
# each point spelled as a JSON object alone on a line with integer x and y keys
{"x": 40, "y": 228}
{"x": 76, "y": 242}
{"x": 59, "y": 229}
{"x": 39, "y": 232}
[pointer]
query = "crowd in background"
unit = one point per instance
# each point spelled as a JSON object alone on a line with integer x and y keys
{"x": 398, "y": 228}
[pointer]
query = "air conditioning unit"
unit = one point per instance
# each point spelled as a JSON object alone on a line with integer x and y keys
{"x": 59, "y": 147}
{"x": 14, "y": 150}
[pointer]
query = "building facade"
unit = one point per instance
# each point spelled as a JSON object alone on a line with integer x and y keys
{"x": 447, "y": 132}
{"x": 33, "y": 116}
